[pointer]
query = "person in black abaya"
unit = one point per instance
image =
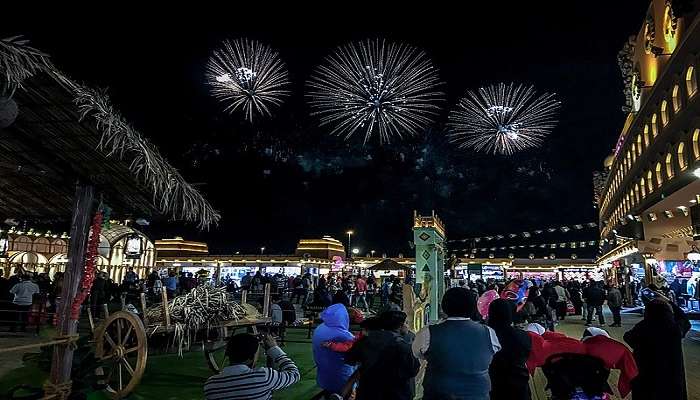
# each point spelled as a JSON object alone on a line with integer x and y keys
{"x": 509, "y": 375}
{"x": 656, "y": 345}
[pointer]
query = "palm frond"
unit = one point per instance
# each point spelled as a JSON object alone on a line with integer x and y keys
{"x": 171, "y": 194}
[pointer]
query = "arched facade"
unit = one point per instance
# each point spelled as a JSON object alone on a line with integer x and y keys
{"x": 650, "y": 197}
{"x": 32, "y": 252}
{"x": 113, "y": 248}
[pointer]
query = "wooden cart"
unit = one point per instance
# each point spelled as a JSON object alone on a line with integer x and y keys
{"x": 122, "y": 343}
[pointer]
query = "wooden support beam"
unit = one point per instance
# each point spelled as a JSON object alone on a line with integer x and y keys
{"x": 266, "y": 301}
{"x": 143, "y": 309}
{"x": 90, "y": 320}
{"x": 80, "y": 227}
{"x": 166, "y": 311}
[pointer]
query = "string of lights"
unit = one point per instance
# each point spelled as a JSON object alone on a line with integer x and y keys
{"x": 527, "y": 234}
{"x": 560, "y": 245}
{"x": 32, "y": 232}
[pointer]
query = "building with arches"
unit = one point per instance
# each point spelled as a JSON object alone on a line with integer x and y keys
{"x": 46, "y": 253}
{"x": 647, "y": 202}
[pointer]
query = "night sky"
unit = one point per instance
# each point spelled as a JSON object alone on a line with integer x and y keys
{"x": 285, "y": 178}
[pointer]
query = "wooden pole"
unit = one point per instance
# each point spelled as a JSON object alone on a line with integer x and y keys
{"x": 166, "y": 312}
{"x": 90, "y": 320}
{"x": 80, "y": 226}
{"x": 266, "y": 301}
{"x": 143, "y": 309}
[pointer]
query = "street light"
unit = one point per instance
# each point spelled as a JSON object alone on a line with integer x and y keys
{"x": 355, "y": 251}
{"x": 262, "y": 250}
{"x": 349, "y": 233}
{"x": 372, "y": 252}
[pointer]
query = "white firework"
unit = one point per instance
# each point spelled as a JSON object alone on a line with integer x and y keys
{"x": 503, "y": 119}
{"x": 375, "y": 87}
{"x": 249, "y": 76}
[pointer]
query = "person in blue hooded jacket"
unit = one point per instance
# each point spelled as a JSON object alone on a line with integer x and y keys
{"x": 332, "y": 371}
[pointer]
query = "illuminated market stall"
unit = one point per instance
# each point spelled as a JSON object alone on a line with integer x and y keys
{"x": 482, "y": 269}
{"x": 555, "y": 269}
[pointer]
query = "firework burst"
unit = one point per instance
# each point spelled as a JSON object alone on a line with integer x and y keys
{"x": 503, "y": 119}
{"x": 249, "y": 76}
{"x": 375, "y": 87}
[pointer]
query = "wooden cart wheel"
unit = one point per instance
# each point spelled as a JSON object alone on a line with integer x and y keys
{"x": 122, "y": 349}
{"x": 215, "y": 349}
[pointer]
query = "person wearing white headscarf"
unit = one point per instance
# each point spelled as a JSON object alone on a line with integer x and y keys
{"x": 592, "y": 331}
{"x": 535, "y": 328}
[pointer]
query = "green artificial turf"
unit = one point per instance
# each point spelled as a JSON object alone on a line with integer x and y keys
{"x": 30, "y": 375}
{"x": 169, "y": 377}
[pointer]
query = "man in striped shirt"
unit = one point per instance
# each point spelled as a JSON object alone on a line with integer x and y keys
{"x": 242, "y": 381}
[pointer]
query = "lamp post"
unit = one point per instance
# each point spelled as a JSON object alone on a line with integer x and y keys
{"x": 349, "y": 233}
{"x": 262, "y": 250}
{"x": 372, "y": 252}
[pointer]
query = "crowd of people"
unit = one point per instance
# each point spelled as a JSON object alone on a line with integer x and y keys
{"x": 24, "y": 296}
{"x": 38, "y": 289}
{"x": 550, "y": 302}
{"x": 467, "y": 356}
{"x": 364, "y": 291}
{"x": 28, "y": 297}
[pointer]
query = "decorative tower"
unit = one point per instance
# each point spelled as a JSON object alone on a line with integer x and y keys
{"x": 429, "y": 238}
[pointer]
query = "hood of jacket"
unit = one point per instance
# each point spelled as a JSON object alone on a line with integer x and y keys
{"x": 336, "y": 316}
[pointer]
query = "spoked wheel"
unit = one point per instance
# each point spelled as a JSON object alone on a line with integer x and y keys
{"x": 215, "y": 349}
{"x": 122, "y": 349}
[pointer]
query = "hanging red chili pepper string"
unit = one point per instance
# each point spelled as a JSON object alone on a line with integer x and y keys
{"x": 89, "y": 268}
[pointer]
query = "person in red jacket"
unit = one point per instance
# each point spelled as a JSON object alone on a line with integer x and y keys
{"x": 596, "y": 342}
{"x": 361, "y": 291}
{"x": 547, "y": 343}
{"x": 537, "y": 355}
{"x": 614, "y": 354}
{"x": 557, "y": 343}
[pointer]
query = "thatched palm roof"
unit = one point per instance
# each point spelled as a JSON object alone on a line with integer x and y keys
{"x": 67, "y": 132}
